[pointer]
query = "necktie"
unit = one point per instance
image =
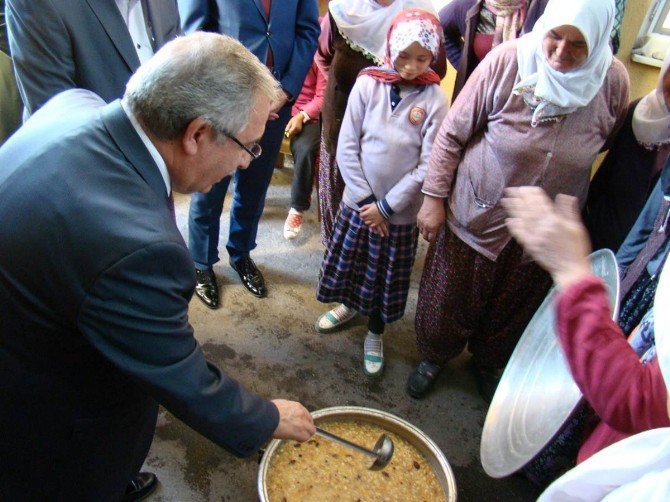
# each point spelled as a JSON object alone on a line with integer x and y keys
{"x": 269, "y": 61}
{"x": 171, "y": 206}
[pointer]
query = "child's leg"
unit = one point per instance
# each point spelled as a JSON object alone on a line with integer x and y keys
{"x": 373, "y": 349}
{"x": 334, "y": 319}
{"x": 304, "y": 149}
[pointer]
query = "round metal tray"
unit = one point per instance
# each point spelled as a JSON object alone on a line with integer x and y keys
{"x": 391, "y": 423}
{"x": 536, "y": 394}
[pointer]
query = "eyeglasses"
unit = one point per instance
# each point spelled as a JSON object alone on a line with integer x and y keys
{"x": 255, "y": 150}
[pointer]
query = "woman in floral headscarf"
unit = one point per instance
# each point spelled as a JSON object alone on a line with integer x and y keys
{"x": 353, "y": 36}
{"x": 536, "y": 111}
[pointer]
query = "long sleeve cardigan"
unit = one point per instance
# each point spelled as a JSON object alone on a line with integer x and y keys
{"x": 628, "y": 396}
{"x": 486, "y": 143}
{"x": 383, "y": 153}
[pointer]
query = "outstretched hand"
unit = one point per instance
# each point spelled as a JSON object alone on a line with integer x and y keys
{"x": 551, "y": 232}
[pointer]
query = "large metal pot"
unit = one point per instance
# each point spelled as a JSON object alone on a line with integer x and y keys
{"x": 391, "y": 423}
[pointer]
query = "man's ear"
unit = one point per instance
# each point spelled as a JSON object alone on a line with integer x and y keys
{"x": 194, "y": 134}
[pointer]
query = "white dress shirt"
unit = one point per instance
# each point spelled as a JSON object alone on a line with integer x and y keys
{"x": 133, "y": 15}
{"x": 162, "y": 167}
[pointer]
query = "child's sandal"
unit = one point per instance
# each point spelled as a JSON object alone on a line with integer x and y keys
{"x": 334, "y": 319}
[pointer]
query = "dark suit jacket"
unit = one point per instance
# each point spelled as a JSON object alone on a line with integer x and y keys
{"x": 291, "y": 31}
{"x": 95, "y": 282}
{"x": 61, "y": 44}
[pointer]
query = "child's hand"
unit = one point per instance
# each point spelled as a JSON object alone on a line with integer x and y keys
{"x": 382, "y": 229}
{"x": 294, "y": 126}
{"x": 374, "y": 219}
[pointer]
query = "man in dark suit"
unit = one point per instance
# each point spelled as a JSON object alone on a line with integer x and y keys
{"x": 283, "y": 34}
{"x": 90, "y": 44}
{"x": 95, "y": 278}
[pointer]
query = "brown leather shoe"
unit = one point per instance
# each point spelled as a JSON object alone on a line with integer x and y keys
{"x": 206, "y": 288}
{"x": 144, "y": 484}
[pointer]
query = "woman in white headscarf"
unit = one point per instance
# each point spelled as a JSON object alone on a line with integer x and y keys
{"x": 624, "y": 382}
{"x": 536, "y": 111}
{"x": 353, "y": 37}
{"x": 628, "y": 174}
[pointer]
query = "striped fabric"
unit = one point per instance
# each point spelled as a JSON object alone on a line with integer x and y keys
{"x": 364, "y": 271}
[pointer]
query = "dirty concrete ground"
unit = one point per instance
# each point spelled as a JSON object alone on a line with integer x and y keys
{"x": 270, "y": 345}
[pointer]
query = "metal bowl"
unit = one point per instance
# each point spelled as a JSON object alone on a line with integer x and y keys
{"x": 391, "y": 423}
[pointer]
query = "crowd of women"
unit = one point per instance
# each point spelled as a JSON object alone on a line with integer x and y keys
{"x": 543, "y": 98}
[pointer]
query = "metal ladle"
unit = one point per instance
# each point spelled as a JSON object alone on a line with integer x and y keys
{"x": 382, "y": 451}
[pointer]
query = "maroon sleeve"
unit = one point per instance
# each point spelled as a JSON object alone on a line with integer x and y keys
{"x": 627, "y": 395}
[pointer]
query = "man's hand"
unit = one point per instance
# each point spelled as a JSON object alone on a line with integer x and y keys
{"x": 552, "y": 233}
{"x": 431, "y": 217}
{"x": 282, "y": 99}
{"x": 294, "y": 126}
{"x": 295, "y": 422}
{"x": 373, "y": 218}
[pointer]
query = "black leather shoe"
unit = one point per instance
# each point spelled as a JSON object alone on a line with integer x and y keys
{"x": 422, "y": 378}
{"x": 144, "y": 484}
{"x": 250, "y": 275}
{"x": 206, "y": 288}
{"x": 487, "y": 382}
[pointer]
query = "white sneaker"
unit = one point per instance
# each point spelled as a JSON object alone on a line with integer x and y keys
{"x": 373, "y": 355}
{"x": 334, "y": 319}
{"x": 293, "y": 224}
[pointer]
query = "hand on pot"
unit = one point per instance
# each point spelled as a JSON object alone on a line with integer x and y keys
{"x": 551, "y": 232}
{"x": 431, "y": 217}
{"x": 295, "y": 422}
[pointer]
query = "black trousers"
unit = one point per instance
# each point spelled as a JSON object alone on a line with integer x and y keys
{"x": 304, "y": 148}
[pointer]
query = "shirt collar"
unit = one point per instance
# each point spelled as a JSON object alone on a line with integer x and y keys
{"x": 162, "y": 167}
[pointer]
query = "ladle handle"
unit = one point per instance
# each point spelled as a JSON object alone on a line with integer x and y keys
{"x": 346, "y": 443}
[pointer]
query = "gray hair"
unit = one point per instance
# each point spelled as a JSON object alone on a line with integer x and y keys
{"x": 202, "y": 75}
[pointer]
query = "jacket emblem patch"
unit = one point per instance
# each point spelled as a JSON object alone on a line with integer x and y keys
{"x": 417, "y": 115}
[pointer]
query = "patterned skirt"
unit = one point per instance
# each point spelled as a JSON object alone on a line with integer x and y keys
{"x": 465, "y": 299}
{"x": 366, "y": 272}
{"x": 331, "y": 187}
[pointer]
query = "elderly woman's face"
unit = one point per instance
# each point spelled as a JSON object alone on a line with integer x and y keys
{"x": 565, "y": 48}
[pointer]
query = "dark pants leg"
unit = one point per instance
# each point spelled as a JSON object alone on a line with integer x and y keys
{"x": 204, "y": 221}
{"x": 304, "y": 148}
{"x": 251, "y": 185}
{"x": 376, "y": 324}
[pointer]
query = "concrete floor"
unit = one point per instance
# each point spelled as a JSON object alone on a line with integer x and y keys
{"x": 270, "y": 346}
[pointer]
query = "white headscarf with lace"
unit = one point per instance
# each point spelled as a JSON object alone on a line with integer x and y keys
{"x": 552, "y": 93}
{"x": 365, "y": 23}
